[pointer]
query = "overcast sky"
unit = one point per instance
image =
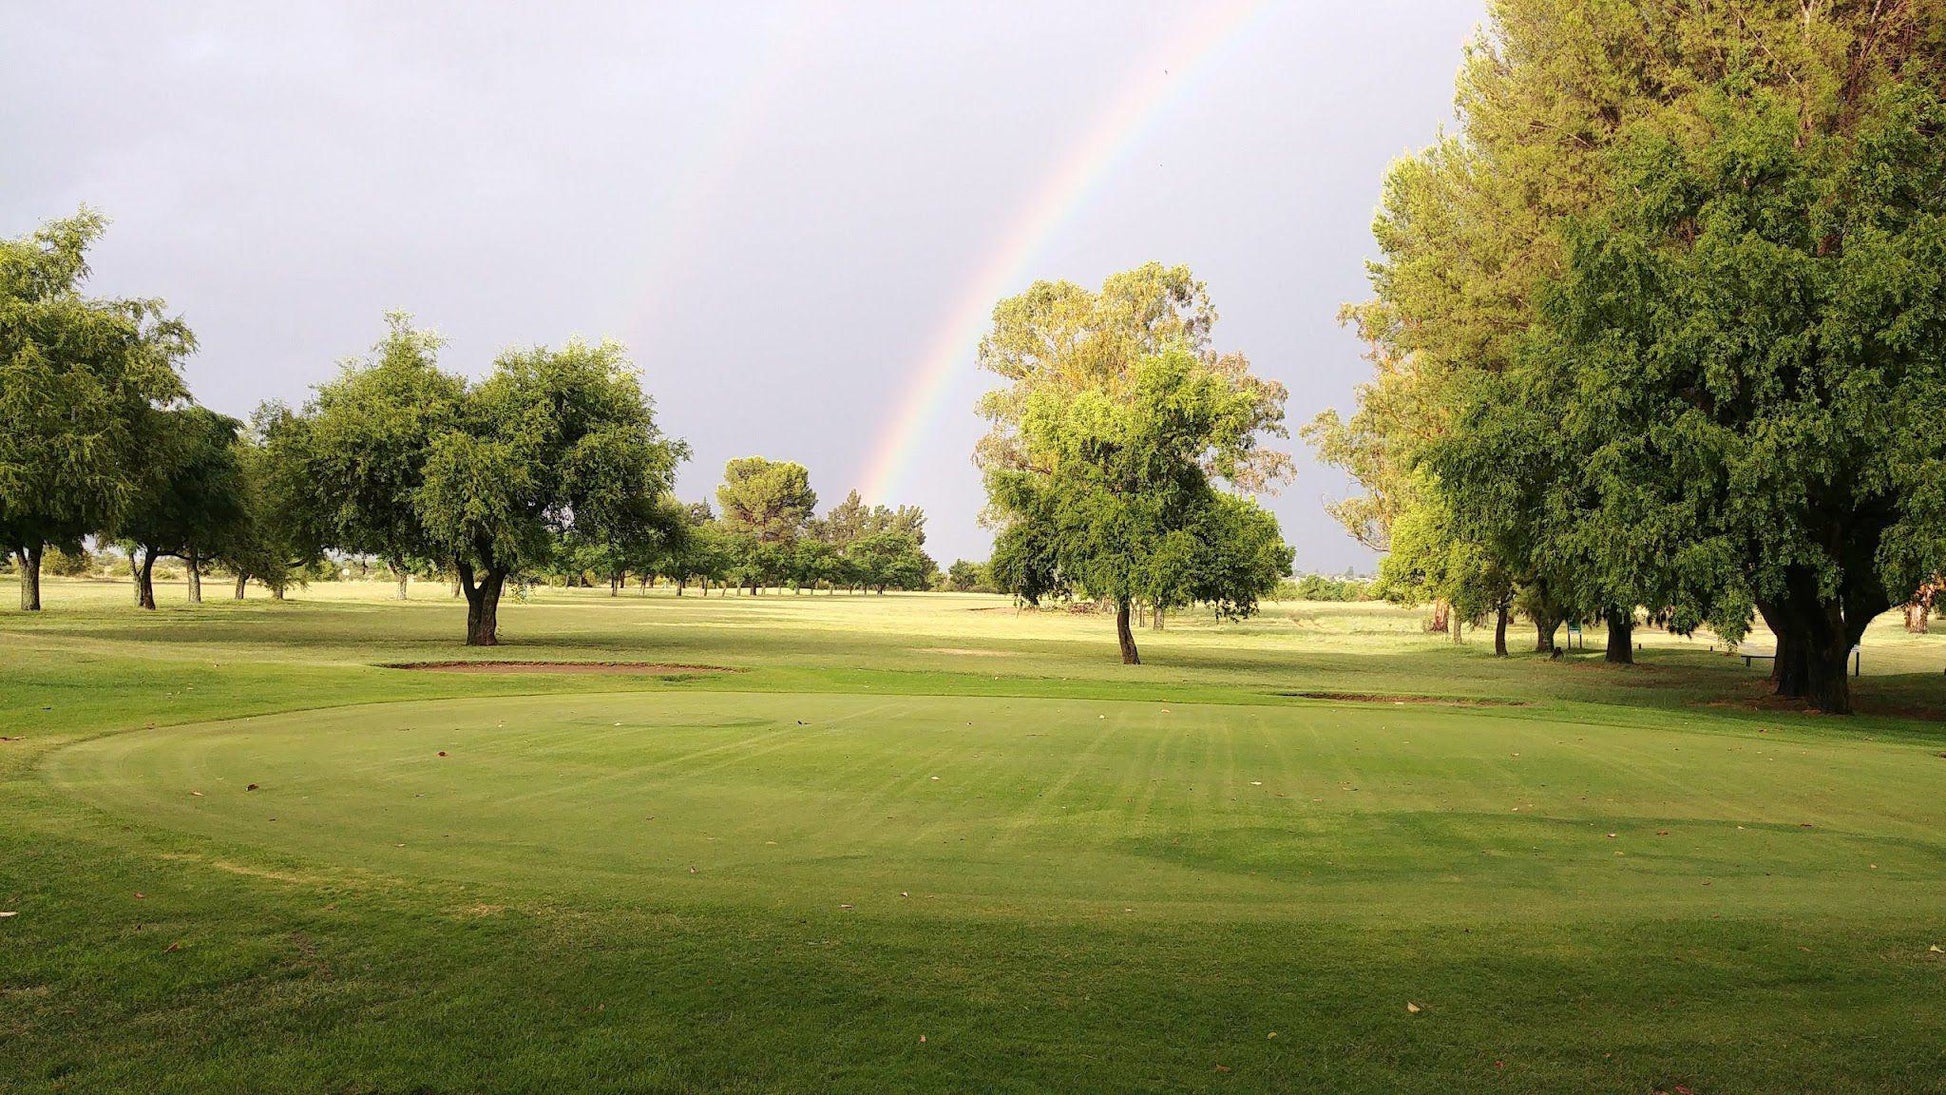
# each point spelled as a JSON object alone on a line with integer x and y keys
{"x": 779, "y": 208}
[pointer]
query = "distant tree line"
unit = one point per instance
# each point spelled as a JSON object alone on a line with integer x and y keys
{"x": 552, "y": 466}
{"x": 1660, "y": 329}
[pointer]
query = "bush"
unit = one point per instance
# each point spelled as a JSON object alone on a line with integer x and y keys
{"x": 63, "y": 564}
{"x": 1320, "y": 587}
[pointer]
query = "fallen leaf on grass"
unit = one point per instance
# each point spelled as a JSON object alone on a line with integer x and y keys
{"x": 198, "y": 794}
{"x": 4, "y": 915}
{"x": 1934, "y": 949}
{"x": 442, "y": 752}
{"x": 844, "y": 906}
{"x": 140, "y": 895}
{"x": 1222, "y": 1068}
{"x": 1412, "y": 1007}
{"x": 252, "y": 787}
{"x": 171, "y": 948}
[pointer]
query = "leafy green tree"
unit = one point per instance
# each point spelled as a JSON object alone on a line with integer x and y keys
{"x": 364, "y": 441}
{"x": 1756, "y": 336}
{"x": 1061, "y": 339}
{"x": 190, "y": 494}
{"x": 1113, "y": 495}
{"x": 697, "y": 551}
{"x": 1469, "y": 235}
{"x": 77, "y": 377}
{"x": 766, "y": 506}
{"x": 890, "y": 559}
{"x": 279, "y": 535}
{"x": 554, "y": 443}
{"x": 966, "y": 576}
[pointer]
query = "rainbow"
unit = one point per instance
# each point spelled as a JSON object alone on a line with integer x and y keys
{"x": 1118, "y": 129}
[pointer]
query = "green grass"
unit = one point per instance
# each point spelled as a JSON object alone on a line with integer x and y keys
{"x": 925, "y": 843}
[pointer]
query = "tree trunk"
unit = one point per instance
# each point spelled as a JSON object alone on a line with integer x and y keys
{"x": 614, "y": 586}
{"x": 145, "y": 581}
{"x": 1157, "y": 621}
{"x": 1544, "y": 635}
{"x": 30, "y": 576}
{"x": 194, "y": 565}
{"x": 482, "y": 605}
{"x": 1130, "y": 656}
{"x": 1500, "y": 630}
{"x": 135, "y": 576}
{"x": 1815, "y": 636}
{"x": 404, "y": 576}
{"x": 1454, "y": 623}
{"x": 1441, "y": 611}
{"x": 1621, "y": 637}
{"x": 242, "y": 581}
{"x": 277, "y": 592}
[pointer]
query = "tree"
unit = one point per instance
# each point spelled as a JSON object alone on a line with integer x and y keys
{"x": 77, "y": 375}
{"x": 554, "y": 443}
{"x": 766, "y": 506}
{"x": 364, "y": 440}
{"x": 190, "y": 494}
{"x": 1061, "y": 339}
{"x": 966, "y": 576}
{"x": 1469, "y": 234}
{"x": 1758, "y": 340}
{"x": 696, "y": 551}
{"x": 1112, "y": 493}
{"x": 279, "y": 534}
{"x": 890, "y": 559}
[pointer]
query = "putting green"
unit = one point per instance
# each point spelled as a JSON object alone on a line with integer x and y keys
{"x": 900, "y": 805}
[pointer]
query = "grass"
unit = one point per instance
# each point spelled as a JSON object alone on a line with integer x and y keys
{"x": 925, "y": 843}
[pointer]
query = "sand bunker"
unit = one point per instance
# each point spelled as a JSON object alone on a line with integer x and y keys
{"x": 1372, "y": 697}
{"x": 638, "y": 668}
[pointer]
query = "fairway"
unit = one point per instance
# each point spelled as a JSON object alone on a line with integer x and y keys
{"x": 1047, "y": 809}
{"x": 934, "y": 817}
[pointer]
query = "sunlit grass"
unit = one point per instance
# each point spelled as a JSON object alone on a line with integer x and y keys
{"x": 937, "y": 816}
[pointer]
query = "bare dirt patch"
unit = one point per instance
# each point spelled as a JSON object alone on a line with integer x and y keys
{"x": 960, "y": 652}
{"x": 660, "y": 669}
{"x": 1436, "y": 701}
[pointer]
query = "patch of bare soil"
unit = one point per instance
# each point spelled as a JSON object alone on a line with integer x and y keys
{"x": 960, "y": 652}
{"x": 1437, "y": 701}
{"x": 638, "y": 668}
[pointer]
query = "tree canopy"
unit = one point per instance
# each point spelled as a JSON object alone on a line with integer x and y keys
{"x": 1658, "y": 327}
{"x": 1113, "y": 496}
{"x": 78, "y": 379}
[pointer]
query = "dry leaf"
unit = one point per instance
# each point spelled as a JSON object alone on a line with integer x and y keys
{"x": 3, "y": 915}
{"x": 172, "y": 948}
{"x": 198, "y": 794}
{"x": 252, "y": 787}
{"x": 1412, "y": 1007}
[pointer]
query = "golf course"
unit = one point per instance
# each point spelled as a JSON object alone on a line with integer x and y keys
{"x": 931, "y": 842}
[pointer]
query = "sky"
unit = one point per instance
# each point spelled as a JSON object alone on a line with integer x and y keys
{"x": 796, "y": 216}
